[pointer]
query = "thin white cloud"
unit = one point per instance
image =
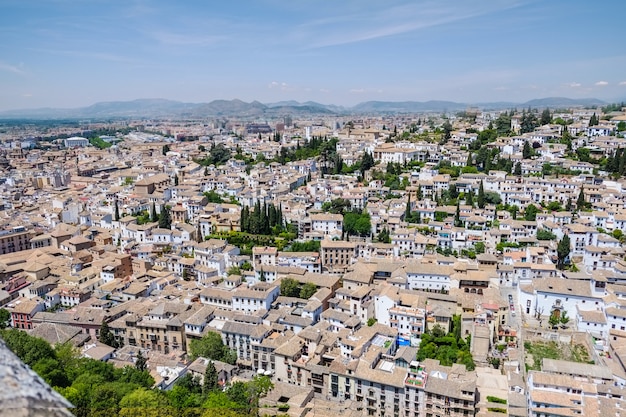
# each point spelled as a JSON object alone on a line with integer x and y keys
{"x": 622, "y": 83}
{"x": 574, "y": 84}
{"x": 283, "y": 86}
{"x": 371, "y": 23}
{"x": 183, "y": 39}
{"x": 11, "y": 68}
{"x": 138, "y": 10}
{"x": 99, "y": 56}
{"x": 357, "y": 90}
{"x": 601, "y": 83}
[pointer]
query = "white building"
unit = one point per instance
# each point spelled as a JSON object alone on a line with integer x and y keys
{"x": 76, "y": 142}
{"x": 327, "y": 223}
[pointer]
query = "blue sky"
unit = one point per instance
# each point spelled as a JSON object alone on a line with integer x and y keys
{"x": 72, "y": 53}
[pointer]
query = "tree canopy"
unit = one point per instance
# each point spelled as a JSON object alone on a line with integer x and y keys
{"x": 165, "y": 218}
{"x": 106, "y": 336}
{"x": 357, "y": 223}
{"x": 289, "y": 287}
{"x": 447, "y": 347}
{"x": 5, "y": 318}
{"x": 212, "y": 347}
{"x": 563, "y": 250}
{"x": 95, "y": 388}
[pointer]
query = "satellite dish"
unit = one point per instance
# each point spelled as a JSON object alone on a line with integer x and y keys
{"x": 268, "y": 373}
{"x": 261, "y": 371}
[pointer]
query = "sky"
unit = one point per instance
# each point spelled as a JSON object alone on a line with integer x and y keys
{"x": 74, "y": 53}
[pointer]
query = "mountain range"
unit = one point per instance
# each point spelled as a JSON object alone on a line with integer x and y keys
{"x": 162, "y": 108}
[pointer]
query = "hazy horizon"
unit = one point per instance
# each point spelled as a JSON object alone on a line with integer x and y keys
{"x": 68, "y": 54}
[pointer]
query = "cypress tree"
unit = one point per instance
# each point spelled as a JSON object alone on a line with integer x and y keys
{"x": 279, "y": 216}
{"x": 106, "y": 336}
{"x": 199, "y": 237}
{"x": 546, "y": 117}
{"x": 407, "y": 210}
{"x": 509, "y": 166}
{"x": 481, "y": 195}
{"x": 453, "y": 191}
{"x": 527, "y": 151}
{"x": 210, "y": 378}
{"x": 271, "y": 213}
{"x": 153, "y": 215}
{"x": 263, "y": 222}
{"x": 580, "y": 202}
{"x": 469, "y": 198}
{"x": 117, "y": 212}
{"x": 243, "y": 219}
{"x": 562, "y": 251}
{"x": 165, "y": 219}
{"x": 255, "y": 224}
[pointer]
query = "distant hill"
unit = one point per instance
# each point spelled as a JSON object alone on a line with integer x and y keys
{"x": 564, "y": 102}
{"x": 237, "y": 108}
{"x": 107, "y": 109}
{"x": 137, "y": 108}
{"x": 229, "y": 108}
{"x": 407, "y": 106}
{"x": 307, "y": 105}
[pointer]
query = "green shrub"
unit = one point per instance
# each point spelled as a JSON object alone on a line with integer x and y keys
{"x": 493, "y": 399}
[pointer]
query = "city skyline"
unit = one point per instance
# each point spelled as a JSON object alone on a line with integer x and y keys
{"x": 67, "y": 54}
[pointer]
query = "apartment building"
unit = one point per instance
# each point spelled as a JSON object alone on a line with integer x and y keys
{"x": 327, "y": 224}
{"x": 152, "y": 183}
{"x": 162, "y": 329}
{"x": 337, "y": 255}
{"x": 428, "y": 276}
{"x": 241, "y": 337}
{"x": 24, "y": 311}
{"x": 254, "y": 298}
{"x": 551, "y": 394}
{"x": 15, "y": 239}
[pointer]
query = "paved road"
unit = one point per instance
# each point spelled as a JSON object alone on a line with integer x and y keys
{"x": 514, "y": 318}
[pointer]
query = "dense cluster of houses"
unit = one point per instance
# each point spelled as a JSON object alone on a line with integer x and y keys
{"x": 82, "y": 246}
